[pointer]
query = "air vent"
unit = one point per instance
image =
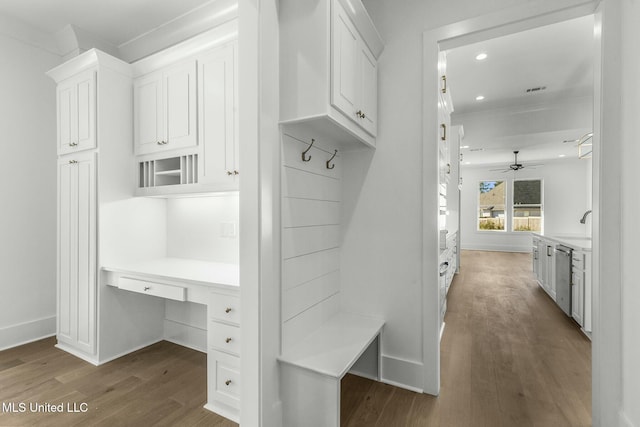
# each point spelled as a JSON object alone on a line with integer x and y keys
{"x": 535, "y": 89}
{"x": 477, "y": 149}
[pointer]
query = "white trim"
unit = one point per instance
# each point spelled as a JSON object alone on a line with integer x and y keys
{"x": 27, "y": 332}
{"x": 110, "y": 358}
{"x": 402, "y": 373}
{"x": 218, "y": 36}
{"x": 190, "y": 24}
{"x": 78, "y": 354}
{"x": 15, "y": 29}
{"x": 496, "y": 248}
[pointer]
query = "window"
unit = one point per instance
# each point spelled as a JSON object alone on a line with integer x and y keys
{"x": 491, "y": 206}
{"x": 527, "y": 205}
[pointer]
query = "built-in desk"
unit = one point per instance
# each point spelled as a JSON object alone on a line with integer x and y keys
{"x": 215, "y": 285}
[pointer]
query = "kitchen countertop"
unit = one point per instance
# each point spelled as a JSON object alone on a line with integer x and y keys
{"x": 577, "y": 242}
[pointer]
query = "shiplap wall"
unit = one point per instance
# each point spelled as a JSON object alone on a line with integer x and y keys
{"x": 311, "y": 236}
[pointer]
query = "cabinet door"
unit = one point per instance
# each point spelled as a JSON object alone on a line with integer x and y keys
{"x": 345, "y": 57}
{"x": 218, "y": 118}
{"x": 577, "y": 296}
{"x": 148, "y": 113}
{"x": 179, "y": 99}
{"x": 77, "y": 113}
{"x": 368, "y": 97}
{"x": 77, "y": 252}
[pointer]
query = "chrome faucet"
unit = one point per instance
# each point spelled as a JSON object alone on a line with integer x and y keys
{"x": 584, "y": 217}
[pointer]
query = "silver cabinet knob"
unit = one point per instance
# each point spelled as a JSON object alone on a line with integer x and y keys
{"x": 228, "y": 340}
{"x": 227, "y": 310}
{"x": 227, "y": 382}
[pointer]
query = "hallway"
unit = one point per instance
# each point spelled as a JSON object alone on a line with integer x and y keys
{"x": 509, "y": 355}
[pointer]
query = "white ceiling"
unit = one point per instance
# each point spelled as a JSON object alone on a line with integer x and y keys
{"x": 558, "y": 57}
{"x": 113, "y": 21}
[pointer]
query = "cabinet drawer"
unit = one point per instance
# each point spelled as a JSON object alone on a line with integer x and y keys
{"x": 225, "y": 308}
{"x": 151, "y": 288}
{"x": 224, "y": 337}
{"x": 224, "y": 378}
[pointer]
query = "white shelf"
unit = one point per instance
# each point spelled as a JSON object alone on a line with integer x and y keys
{"x": 175, "y": 172}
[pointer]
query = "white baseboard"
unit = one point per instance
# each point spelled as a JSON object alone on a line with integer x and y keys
{"x": 496, "y": 248}
{"x": 124, "y": 353}
{"x": 624, "y": 420}
{"x": 189, "y": 336}
{"x": 24, "y": 333}
{"x": 77, "y": 354}
{"x": 402, "y": 373}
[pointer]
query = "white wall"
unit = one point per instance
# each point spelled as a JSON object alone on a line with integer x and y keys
{"x": 28, "y": 176}
{"x": 630, "y": 208}
{"x": 195, "y": 228}
{"x": 382, "y": 250}
{"x": 564, "y": 201}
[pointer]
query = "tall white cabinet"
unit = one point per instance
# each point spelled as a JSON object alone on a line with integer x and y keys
{"x": 76, "y": 321}
{"x": 94, "y": 135}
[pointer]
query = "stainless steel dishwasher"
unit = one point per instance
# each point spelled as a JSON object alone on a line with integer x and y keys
{"x": 563, "y": 278}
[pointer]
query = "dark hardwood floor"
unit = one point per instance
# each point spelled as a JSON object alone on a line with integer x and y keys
{"x": 510, "y": 357}
{"x": 160, "y": 385}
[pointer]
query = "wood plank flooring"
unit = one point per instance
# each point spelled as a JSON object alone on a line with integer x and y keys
{"x": 161, "y": 385}
{"x": 510, "y": 357}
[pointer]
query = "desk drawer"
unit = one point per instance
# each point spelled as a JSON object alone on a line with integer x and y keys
{"x": 151, "y": 288}
{"x": 224, "y": 307}
{"x": 224, "y": 337}
{"x": 224, "y": 378}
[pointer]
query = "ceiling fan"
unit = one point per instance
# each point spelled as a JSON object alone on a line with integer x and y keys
{"x": 515, "y": 166}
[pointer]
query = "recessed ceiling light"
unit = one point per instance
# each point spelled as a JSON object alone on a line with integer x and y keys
{"x": 479, "y": 97}
{"x": 481, "y": 56}
{"x": 467, "y": 163}
{"x": 562, "y": 155}
{"x": 464, "y": 146}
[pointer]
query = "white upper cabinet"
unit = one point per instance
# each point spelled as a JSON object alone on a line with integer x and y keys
{"x": 149, "y": 121}
{"x": 368, "y": 94}
{"x": 77, "y": 112}
{"x": 218, "y": 118}
{"x": 165, "y": 109}
{"x": 186, "y": 116}
{"x": 328, "y": 70}
{"x": 345, "y": 56}
{"x": 354, "y": 83}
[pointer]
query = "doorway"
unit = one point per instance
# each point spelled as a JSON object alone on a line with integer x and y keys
{"x": 469, "y": 33}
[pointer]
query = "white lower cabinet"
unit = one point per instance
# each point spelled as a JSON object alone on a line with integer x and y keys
{"x": 578, "y": 287}
{"x": 223, "y": 356}
{"x": 224, "y": 381}
{"x": 76, "y": 326}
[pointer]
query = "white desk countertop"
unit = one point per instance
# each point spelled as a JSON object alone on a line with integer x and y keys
{"x": 188, "y": 270}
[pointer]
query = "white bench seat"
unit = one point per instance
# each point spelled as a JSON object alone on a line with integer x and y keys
{"x": 312, "y": 370}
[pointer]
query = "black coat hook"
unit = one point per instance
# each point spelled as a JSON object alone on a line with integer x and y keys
{"x": 304, "y": 153}
{"x": 329, "y": 161}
